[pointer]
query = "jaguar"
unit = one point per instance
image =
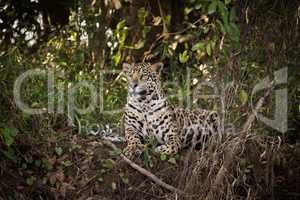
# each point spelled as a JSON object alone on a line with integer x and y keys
{"x": 148, "y": 113}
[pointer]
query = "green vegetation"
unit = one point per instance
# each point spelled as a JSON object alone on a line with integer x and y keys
{"x": 232, "y": 44}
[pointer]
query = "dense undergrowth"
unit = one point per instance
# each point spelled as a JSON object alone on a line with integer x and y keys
{"x": 232, "y": 44}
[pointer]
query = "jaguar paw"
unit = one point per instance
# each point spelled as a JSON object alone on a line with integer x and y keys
{"x": 133, "y": 151}
{"x": 166, "y": 149}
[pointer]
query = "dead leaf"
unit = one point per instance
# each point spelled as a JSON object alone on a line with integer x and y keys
{"x": 60, "y": 176}
{"x": 114, "y": 186}
{"x": 56, "y": 176}
{"x": 52, "y": 179}
{"x": 64, "y": 188}
{"x": 117, "y": 4}
{"x": 156, "y": 21}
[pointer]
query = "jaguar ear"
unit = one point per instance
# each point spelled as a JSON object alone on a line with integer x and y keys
{"x": 157, "y": 67}
{"x": 126, "y": 67}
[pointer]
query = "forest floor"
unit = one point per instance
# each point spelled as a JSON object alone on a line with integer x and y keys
{"x": 68, "y": 166}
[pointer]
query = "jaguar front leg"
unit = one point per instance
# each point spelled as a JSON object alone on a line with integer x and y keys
{"x": 171, "y": 146}
{"x": 134, "y": 144}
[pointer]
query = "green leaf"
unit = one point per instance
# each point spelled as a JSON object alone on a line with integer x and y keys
{"x": 117, "y": 58}
{"x": 243, "y": 163}
{"x": 30, "y": 180}
{"x": 198, "y": 5}
{"x": 146, "y": 157}
{"x": 222, "y": 28}
{"x": 59, "y": 151}
{"x": 63, "y": 64}
{"x": 234, "y": 31}
{"x": 213, "y": 44}
{"x": 198, "y": 45}
{"x": 122, "y": 35}
{"x": 172, "y": 161}
{"x": 146, "y": 30}
{"x": 10, "y": 154}
{"x": 108, "y": 163}
{"x": 9, "y": 134}
{"x": 67, "y": 163}
{"x": 212, "y": 7}
{"x": 183, "y": 57}
{"x": 168, "y": 20}
{"x": 124, "y": 178}
{"x": 142, "y": 15}
{"x": 208, "y": 49}
{"x": 121, "y": 25}
{"x": 225, "y": 18}
{"x": 24, "y": 166}
{"x": 232, "y": 14}
{"x": 37, "y": 163}
{"x": 163, "y": 157}
{"x": 222, "y": 8}
{"x": 116, "y": 152}
{"x": 139, "y": 44}
{"x": 243, "y": 96}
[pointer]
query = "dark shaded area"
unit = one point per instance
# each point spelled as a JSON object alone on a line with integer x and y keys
{"x": 54, "y": 14}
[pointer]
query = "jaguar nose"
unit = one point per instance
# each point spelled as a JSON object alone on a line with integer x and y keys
{"x": 134, "y": 85}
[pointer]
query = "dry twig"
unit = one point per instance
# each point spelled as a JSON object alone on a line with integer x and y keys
{"x": 144, "y": 171}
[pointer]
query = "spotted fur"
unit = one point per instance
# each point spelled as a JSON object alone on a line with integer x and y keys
{"x": 148, "y": 113}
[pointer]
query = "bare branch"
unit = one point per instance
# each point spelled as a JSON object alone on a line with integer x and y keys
{"x": 144, "y": 171}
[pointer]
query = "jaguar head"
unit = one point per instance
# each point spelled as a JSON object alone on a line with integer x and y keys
{"x": 143, "y": 78}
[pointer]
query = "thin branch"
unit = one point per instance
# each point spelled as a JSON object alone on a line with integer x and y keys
{"x": 88, "y": 182}
{"x": 259, "y": 104}
{"x": 165, "y": 29}
{"x": 165, "y": 35}
{"x": 144, "y": 171}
